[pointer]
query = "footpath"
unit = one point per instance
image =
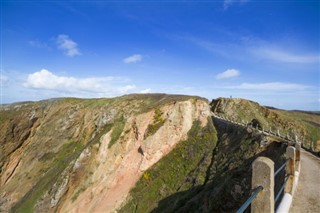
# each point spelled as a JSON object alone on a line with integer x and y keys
{"x": 307, "y": 196}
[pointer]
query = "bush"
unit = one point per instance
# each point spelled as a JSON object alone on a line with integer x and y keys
{"x": 158, "y": 122}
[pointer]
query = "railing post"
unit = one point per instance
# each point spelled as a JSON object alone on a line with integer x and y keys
{"x": 291, "y": 160}
{"x": 263, "y": 174}
{"x": 298, "y": 148}
{"x": 291, "y": 155}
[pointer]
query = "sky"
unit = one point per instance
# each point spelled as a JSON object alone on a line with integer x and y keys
{"x": 265, "y": 51}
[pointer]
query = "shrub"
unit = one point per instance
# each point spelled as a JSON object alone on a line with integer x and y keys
{"x": 158, "y": 122}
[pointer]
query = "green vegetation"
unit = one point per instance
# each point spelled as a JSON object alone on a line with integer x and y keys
{"x": 181, "y": 169}
{"x": 116, "y": 131}
{"x": 158, "y": 122}
{"x": 303, "y": 124}
{"x": 68, "y": 152}
{"x": 47, "y": 156}
{"x": 152, "y": 101}
{"x": 76, "y": 195}
{"x": 97, "y": 102}
{"x": 310, "y": 122}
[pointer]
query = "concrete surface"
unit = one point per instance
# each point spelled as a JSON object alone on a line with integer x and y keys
{"x": 307, "y": 196}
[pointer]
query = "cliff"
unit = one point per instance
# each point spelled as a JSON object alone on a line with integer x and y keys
{"x": 67, "y": 155}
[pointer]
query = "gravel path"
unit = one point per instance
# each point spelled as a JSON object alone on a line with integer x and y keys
{"x": 307, "y": 196}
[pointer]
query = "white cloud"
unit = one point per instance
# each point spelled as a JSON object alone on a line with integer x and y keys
{"x": 126, "y": 89}
{"x": 284, "y": 56}
{"x": 229, "y": 73}
{"x": 69, "y": 46}
{"x": 104, "y": 86}
{"x": 279, "y": 86}
{"x": 148, "y": 90}
{"x": 133, "y": 59}
{"x": 3, "y": 79}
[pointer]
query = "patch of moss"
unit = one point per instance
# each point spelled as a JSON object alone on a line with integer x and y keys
{"x": 76, "y": 195}
{"x": 47, "y": 156}
{"x": 152, "y": 101}
{"x": 158, "y": 122}
{"x": 97, "y": 102}
{"x": 118, "y": 127}
{"x": 181, "y": 169}
{"x": 105, "y": 129}
{"x": 69, "y": 151}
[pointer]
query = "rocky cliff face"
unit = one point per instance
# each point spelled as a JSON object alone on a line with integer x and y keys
{"x": 67, "y": 155}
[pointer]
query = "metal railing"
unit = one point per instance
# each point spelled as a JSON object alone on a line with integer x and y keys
{"x": 285, "y": 181}
{"x": 281, "y": 168}
{"x": 263, "y": 174}
{"x": 281, "y": 190}
{"x": 250, "y": 199}
{"x": 260, "y": 188}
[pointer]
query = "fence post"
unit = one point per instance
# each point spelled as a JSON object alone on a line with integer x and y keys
{"x": 263, "y": 174}
{"x": 298, "y": 148}
{"x": 291, "y": 155}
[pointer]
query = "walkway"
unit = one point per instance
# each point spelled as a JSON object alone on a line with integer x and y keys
{"x": 307, "y": 196}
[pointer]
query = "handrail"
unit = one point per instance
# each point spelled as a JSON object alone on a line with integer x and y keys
{"x": 281, "y": 189}
{"x": 250, "y": 199}
{"x": 263, "y": 172}
{"x": 268, "y": 133}
{"x": 281, "y": 167}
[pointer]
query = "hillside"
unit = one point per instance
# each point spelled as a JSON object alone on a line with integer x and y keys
{"x": 303, "y": 125}
{"x": 135, "y": 153}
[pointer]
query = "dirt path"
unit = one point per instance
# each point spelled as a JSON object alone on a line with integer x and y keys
{"x": 307, "y": 196}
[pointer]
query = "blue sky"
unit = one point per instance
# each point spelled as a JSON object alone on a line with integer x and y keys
{"x": 265, "y": 51}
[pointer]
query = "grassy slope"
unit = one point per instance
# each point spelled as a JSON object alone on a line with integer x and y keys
{"x": 304, "y": 125}
{"x": 182, "y": 169}
{"x": 63, "y": 158}
{"x": 310, "y": 121}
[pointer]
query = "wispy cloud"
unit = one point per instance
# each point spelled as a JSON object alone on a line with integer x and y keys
{"x": 208, "y": 45}
{"x": 39, "y": 44}
{"x": 228, "y": 3}
{"x": 248, "y": 47}
{"x": 108, "y": 86}
{"x": 279, "y": 86}
{"x": 133, "y": 59}
{"x": 3, "y": 79}
{"x": 284, "y": 56}
{"x": 66, "y": 44}
{"x": 148, "y": 90}
{"x": 229, "y": 73}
